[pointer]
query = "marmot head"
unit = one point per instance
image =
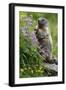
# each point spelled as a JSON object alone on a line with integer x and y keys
{"x": 42, "y": 22}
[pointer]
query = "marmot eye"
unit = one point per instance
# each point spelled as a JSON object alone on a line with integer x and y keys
{"x": 43, "y": 20}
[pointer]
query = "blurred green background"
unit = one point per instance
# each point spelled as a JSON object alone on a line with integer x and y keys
{"x": 30, "y": 60}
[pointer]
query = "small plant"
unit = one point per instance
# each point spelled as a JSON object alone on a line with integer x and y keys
{"x": 30, "y": 59}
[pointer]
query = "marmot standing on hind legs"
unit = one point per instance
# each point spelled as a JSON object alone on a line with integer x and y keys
{"x": 45, "y": 40}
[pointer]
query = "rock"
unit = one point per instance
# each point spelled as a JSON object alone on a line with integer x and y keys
{"x": 51, "y": 66}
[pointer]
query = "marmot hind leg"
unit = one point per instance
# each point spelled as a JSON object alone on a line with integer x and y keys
{"x": 51, "y": 61}
{"x": 48, "y": 58}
